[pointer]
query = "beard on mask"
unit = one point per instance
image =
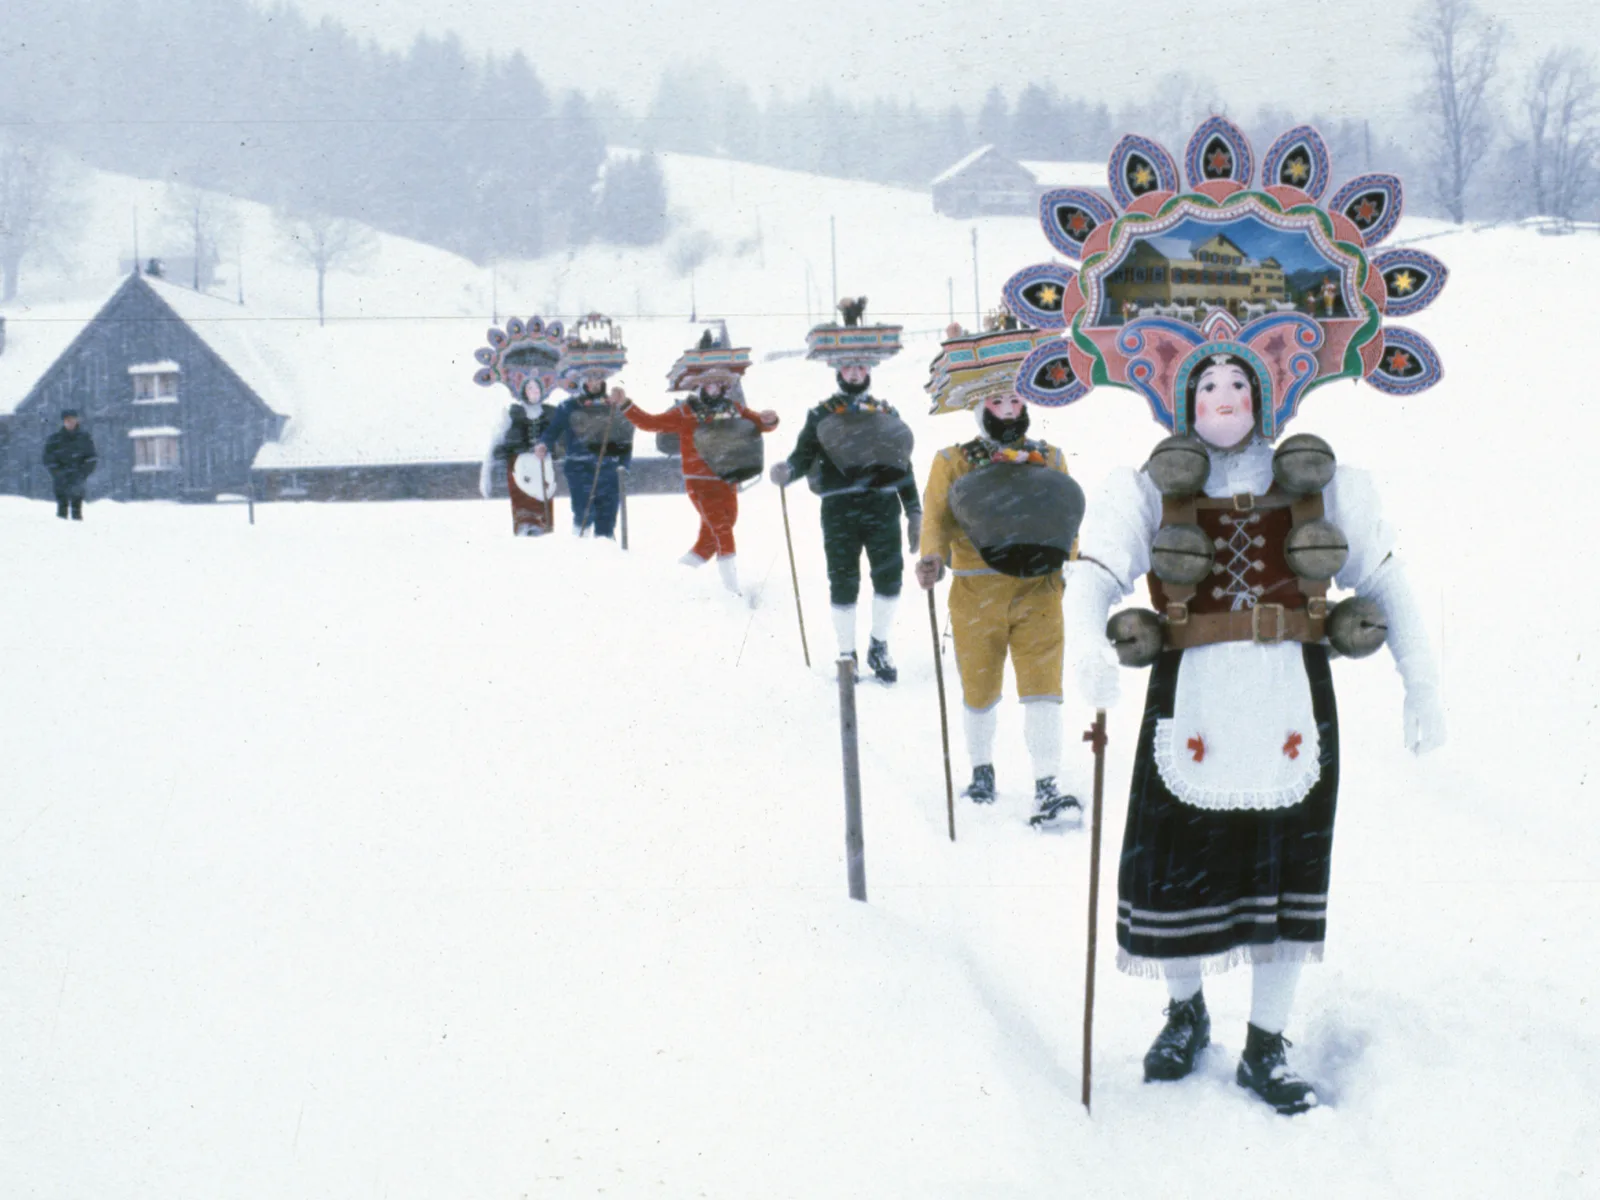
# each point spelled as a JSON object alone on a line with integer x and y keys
{"x": 853, "y": 389}
{"x": 1001, "y": 431}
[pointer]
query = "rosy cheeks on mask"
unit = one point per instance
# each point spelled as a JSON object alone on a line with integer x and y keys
{"x": 1224, "y": 413}
{"x": 1004, "y": 408}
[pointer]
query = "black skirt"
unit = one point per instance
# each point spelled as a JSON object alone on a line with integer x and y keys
{"x": 1219, "y": 887}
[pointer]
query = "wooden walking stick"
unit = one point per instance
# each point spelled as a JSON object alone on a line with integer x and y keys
{"x": 794, "y": 575}
{"x": 944, "y": 718}
{"x": 599, "y": 465}
{"x": 1096, "y": 737}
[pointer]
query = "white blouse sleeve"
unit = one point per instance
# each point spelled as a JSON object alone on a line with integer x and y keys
{"x": 1118, "y": 526}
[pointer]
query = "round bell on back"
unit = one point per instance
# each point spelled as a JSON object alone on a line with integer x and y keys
{"x": 730, "y": 444}
{"x": 1021, "y": 515}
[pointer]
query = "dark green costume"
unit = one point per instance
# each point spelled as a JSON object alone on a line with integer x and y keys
{"x": 857, "y": 513}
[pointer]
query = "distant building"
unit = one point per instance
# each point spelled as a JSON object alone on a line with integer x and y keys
{"x": 990, "y": 183}
{"x": 189, "y": 396}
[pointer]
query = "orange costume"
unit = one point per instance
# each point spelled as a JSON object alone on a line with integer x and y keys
{"x": 716, "y": 500}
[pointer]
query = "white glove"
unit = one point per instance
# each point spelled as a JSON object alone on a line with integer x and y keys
{"x": 1423, "y": 715}
{"x": 1098, "y": 680}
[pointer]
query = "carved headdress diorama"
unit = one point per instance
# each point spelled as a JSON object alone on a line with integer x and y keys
{"x": 1224, "y": 304}
{"x": 529, "y": 359}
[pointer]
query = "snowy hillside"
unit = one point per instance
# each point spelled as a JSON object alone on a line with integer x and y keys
{"x": 367, "y": 851}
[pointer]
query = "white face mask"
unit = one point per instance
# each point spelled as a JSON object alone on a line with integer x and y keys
{"x": 1224, "y": 413}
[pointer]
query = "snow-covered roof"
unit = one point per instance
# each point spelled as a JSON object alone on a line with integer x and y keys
{"x": 165, "y": 367}
{"x": 156, "y": 431}
{"x": 37, "y": 335}
{"x": 1066, "y": 174}
{"x": 952, "y": 171}
{"x": 357, "y": 392}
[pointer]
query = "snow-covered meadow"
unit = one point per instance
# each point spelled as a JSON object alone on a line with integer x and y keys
{"x": 368, "y": 851}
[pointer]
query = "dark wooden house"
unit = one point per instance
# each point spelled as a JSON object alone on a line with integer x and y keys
{"x": 171, "y": 417}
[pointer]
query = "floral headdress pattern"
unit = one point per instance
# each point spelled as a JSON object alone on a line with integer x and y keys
{"x": 524, "y": 352}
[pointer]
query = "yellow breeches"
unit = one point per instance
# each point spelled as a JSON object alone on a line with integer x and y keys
{"x": 990, "y": 614}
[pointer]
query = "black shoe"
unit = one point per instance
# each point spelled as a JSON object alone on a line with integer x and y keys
{"x": 1263, "y": 1069}
{"x": 1172, "y": 1055}
{"x": 1052, "y": 807}
{"x": 879, "y": 661}
{"x": 981, "y": 789}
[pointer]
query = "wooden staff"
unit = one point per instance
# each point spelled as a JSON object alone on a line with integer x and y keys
{"x": 944, "y": 718}
{"x": 794, "y": 575}
{"x": 600, "y": 462}
{"x": 622, "y": 488}
{"x": 1096, "y": 737}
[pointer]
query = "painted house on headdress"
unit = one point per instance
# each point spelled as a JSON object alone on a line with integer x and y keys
{"x": 1165, "y": 273}
{"x": 988, "y": 182}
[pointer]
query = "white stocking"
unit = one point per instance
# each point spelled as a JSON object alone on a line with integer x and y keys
{"x": 883, "y": 616}
{"x": 1041, "y": 730}
{"x": 1272, "y": 994}
{"x": 1183, "y": 982}
{"x": 730, "y": 573}
{"x": 844, "y": 626}
{"x": 980, "y": 728}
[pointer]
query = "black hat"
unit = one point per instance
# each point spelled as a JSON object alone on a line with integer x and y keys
{"x": 68, "y": 412}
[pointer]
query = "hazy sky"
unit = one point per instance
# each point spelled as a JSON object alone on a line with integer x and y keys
{"x": 1309, "y": 56}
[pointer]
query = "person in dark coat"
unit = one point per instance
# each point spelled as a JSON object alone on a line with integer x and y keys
{"x": 70, "y": 457}
{"x": 861, "y": 510}
{"x": 583, "y": 426}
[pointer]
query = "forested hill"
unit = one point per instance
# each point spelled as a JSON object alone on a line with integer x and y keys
{"x": 474, "y": 154}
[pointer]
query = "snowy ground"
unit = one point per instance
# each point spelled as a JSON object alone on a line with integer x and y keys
{"x": 370, "y": 852}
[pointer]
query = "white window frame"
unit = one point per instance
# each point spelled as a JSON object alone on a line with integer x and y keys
{"x": 155, "y": 383}
{"x": 164, "y": 448}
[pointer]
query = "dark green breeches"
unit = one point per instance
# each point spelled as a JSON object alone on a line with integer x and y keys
{"x": 859, "y": 521}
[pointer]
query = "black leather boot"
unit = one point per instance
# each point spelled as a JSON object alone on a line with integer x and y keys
{"x": 1176, "y": 1048}
{"x": 1264, "y": 1070}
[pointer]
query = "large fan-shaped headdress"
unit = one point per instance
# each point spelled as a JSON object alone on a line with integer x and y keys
{"x": 523, "y": 353}
{"x": 1170, "y": 277}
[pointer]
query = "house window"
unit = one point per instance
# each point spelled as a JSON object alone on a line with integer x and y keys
{"x": 1157, "y": 274}
{"x": 1138, "y": 274}
{"x": 154, "y": 383}
{"x": 155, "y": 449}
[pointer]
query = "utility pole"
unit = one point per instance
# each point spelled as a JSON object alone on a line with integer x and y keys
{"x": 833, "y": 250}
{"x": 950, "y": 283}
{"x": 136, "y": 241}
{"x": 977, "y": 294}
{"x": 494, "y": 292}
{"x": 808, "y": 293}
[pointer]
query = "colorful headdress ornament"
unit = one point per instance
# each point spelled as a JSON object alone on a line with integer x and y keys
{"x": 523, "y": 353}
{"x": 594, "y": 351}
{"x": 713, "y": 358}
{"x": 853, "y": 344}
{"x": 1169, "y": 278}
{"x": 973, "y": 367}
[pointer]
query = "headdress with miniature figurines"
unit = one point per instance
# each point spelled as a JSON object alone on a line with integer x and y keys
{"x": 973, "y": 367}
{"x": 594, "y": 350}
{"x": 853, "y": 344}
{"x": 1262, "y": 270}
{"x": 531, "y": 351}
{"x": 712, "y": 359}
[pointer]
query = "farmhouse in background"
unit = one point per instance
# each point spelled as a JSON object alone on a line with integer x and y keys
{"x": 990, "y": 183}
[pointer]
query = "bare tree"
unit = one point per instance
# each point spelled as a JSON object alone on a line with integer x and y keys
{"x": 34, "y": 206}
{"x": 206, "y": 221}
{"x": 324, "y": 242}
{"x": 1463, "y": 48}
{"x": 1562, "y": 108}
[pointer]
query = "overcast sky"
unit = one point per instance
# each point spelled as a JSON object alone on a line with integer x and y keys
{"x": 1305, "y": 55}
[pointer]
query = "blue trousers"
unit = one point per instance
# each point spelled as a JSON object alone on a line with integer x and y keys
{"x": 602, "y": 515}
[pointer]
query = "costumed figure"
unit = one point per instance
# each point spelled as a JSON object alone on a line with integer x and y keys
{"x": 855, "y": 452}
{"x": 528, "y": 358}
{"x": 1226, "y": 853}
{"x": 1002, "y": 513}
{"x": 718, "y": 437}
{"x": 595, "y": 442}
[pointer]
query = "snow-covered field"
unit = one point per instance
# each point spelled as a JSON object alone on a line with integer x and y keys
{"x": 368, "y": 851}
